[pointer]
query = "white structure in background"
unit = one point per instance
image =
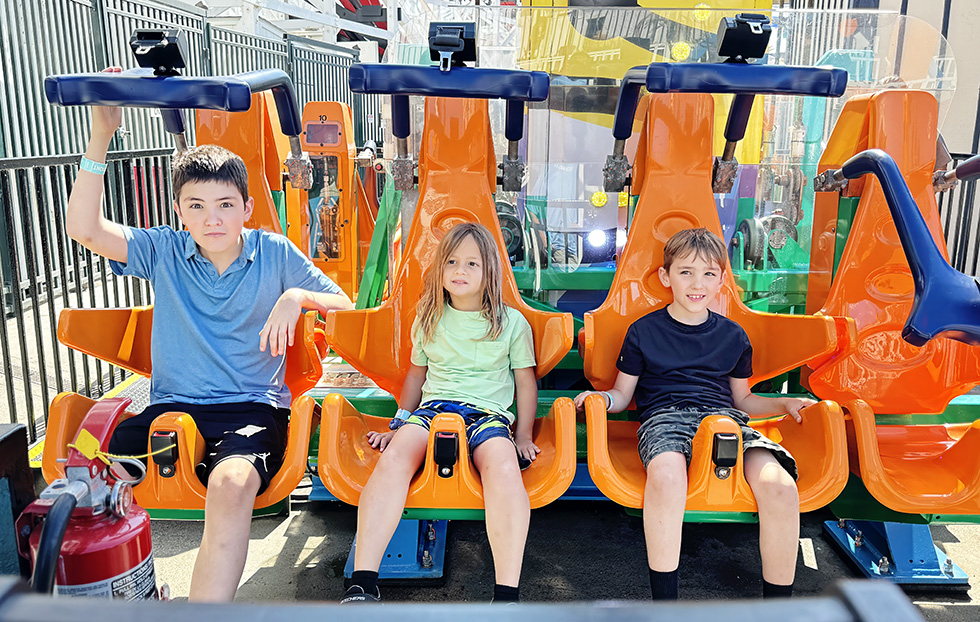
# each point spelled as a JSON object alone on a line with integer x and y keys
{"x": 312, "y": 19}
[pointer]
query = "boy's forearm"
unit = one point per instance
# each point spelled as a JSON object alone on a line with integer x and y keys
{"x": 760, "y": 406}
{"x": 324, "y": 302}
{"x": 619, "y": 402}
{"x": 84, "y": 212}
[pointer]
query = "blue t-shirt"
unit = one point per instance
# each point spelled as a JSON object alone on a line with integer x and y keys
{"x": 205, "y": 338}
{"x": 680, "y": 365}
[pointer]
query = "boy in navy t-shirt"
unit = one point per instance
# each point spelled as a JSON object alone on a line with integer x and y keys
{"x": 683, "y": 363}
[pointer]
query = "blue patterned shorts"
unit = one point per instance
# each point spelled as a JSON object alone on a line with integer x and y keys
{"x": 481, "y": 424}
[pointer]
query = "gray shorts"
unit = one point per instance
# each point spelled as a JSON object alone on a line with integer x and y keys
{"x": 673, "y": 429}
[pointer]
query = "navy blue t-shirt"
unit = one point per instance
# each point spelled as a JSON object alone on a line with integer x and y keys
{"x": 681, "y": 365}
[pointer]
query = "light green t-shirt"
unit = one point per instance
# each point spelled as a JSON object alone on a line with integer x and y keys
{"x": 464, "y": 367}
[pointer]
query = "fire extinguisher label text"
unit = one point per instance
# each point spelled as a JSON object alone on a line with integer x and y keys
{"x": 135, "y": 584}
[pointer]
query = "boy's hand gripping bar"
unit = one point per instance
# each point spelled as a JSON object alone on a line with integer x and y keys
{"x": 140, "y": 88}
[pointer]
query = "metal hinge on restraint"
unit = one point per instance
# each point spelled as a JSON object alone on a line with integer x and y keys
{"x": 724, "y": 453}
{"x": 445, "y": 452}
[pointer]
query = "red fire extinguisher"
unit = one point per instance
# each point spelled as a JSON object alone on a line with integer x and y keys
{"x": 84, "y": 536}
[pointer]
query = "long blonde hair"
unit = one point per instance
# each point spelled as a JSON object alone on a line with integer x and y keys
{"x": 435, "y": 296}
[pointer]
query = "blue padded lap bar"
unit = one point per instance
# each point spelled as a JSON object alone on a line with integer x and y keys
{"x": 629, "y": 97}
{"x": 469, "y": 82}
{"x": 400, "y": 81}
{"x": 746, "y": 79}
{"x": 737, "y": 78}
{"x": 947, "y": 302}
{"x": 139, "y": 88}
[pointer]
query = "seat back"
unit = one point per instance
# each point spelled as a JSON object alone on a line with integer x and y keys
{"x": 873, "y": 283}
{"x": 121, "y": 337}
{"x": 672, "y": 175}
{"x": 457, "y": 178}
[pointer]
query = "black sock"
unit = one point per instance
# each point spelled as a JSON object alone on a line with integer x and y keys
{"x": 663, "y": 585}
{"x": 367, "y": 580}
{"x": 771, "y": 590}
{"x": 506, "y": 593}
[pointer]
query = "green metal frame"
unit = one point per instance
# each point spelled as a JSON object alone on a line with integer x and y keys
{"x": 273, "y": 510}
{"x": 376, "y": 269}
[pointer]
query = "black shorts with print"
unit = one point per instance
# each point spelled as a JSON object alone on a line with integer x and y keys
{"x": 249, "y": 430}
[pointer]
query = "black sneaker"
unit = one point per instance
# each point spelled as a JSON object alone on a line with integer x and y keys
{"x": 356, "y": 594}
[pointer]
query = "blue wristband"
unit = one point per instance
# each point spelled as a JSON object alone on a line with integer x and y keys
{"x": 608, "y": 402}
{"x": 400, "y": 416}
{"x": 92, "y": 166}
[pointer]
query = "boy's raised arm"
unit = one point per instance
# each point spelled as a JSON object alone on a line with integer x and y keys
{"x": 84, "y": 221}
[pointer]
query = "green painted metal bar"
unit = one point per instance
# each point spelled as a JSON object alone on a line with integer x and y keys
{"x": 376, "y": 268}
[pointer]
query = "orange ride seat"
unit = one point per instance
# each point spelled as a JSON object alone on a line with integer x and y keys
{"x": 122, "y": 337}
{"x": 457, "y": 178}
{"x": 672, "y": 176}
{"x": 873, "y": 283}
{"x": 929, "y": 469}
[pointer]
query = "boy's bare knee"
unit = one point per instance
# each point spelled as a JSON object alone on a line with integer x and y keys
{"x": 776, "y": 488}
{"x": 667, "y": 474}
{"x": 234, "y": 480}
{"x": 506, "y": 470}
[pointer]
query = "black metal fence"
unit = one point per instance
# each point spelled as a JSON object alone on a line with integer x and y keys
{"x": 73, "y": 36}
{"x": 44, "y": 272}
{"x": 960, "y": 218}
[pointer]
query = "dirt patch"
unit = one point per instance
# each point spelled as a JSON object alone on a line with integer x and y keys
{"x": 346, "y": 380}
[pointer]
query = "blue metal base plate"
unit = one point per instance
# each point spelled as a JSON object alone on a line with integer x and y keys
{"x": 582, "y": 488}
{"x": 319, "y": 492}
{"x": 898, "y": 552}
{"x": 415, "y": 554}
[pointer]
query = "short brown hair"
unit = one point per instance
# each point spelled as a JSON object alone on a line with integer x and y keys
{"x": 209, "y": 163}
{"x": 701, "y": 242}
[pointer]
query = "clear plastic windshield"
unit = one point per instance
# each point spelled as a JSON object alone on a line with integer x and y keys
{"x": 561, "y": 221}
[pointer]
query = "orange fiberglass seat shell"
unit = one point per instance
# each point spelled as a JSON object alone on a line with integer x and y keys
{"x": 672, "y": 175}
{"x": 456, "y": 182}
{"x": 873, "y": 283}
{"x": 918, "y": 469}
{"x": 673, "y": 164}
{"x": 104, "y": 333}
{"x": 615, "y": 465}
{"x": 457, "y": 178}
{"x": 346, "y": 460}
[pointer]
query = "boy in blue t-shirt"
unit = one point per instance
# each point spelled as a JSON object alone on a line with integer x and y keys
{"x": 684, "y": 362}
{"x": 226, "y": 303}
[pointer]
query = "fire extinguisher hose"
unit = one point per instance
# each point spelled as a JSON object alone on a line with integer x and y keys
{"x": 49, "y": 544}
